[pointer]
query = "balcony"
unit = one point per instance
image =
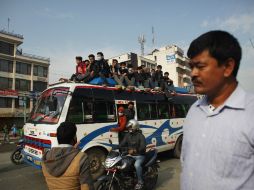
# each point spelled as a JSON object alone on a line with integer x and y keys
{"x": 12, "y": 34}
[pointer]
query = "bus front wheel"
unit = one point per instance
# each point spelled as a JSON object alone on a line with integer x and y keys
{"x": 178, "y": 147}
{"x": 96, "y": 158}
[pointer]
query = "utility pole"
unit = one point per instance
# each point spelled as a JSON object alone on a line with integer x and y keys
{"x": 251, "y": 43}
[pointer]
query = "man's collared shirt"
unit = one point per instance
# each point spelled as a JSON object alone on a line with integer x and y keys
{"x": 218, "y": 145}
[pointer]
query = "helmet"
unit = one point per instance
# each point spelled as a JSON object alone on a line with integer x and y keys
{"x": 133, "y": 124}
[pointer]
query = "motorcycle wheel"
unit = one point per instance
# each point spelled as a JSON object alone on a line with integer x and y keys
{"x": 104, "y": 185}
{"x": 17, "y": 157}
{"x": 151, "y": 177}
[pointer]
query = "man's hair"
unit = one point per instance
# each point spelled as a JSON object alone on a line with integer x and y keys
{"x": 132, "y": 103}
{"x": 66, "y": 132}
{"x": 221, "y": 46}
{"x": 123, "y": 63}
{"x": 91, "y": 55}
{"x": 159, "y": 66}
{"x": 79, "y": 58}
{"x": 100, "y": 53}
{"x": 114, "y": 60}
{"x": 140, "y": 68}
{"x": 166, "y": 73}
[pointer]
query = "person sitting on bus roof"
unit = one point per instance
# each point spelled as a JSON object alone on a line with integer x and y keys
{"x": 169, "y": 85}
{"x": 64, "y": 166}
{"x": 114, "y": 68}
{"x": 93, "y": 69}
{"x": 80, "y": 69}
{"x": 158, "y": 77}
{"x": 122, "y": 121}
{"x": 130, "y": 77}
{"x": 148, "y": 82}
{"x": 123, "y": 71}
{"x": 139, "y": 77}
{"x": 104, "y": 69}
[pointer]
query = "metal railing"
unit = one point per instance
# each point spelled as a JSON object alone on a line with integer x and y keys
{"x": 11, "y": 34}
{"x": 20, "y": 52}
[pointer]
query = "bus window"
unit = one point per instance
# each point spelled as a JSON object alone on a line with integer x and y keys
{"x": 179, "y": 108}
{"x": 111, "y": 111}
{"x": 104, "y": 111}
{"x": 172, "y": 111}
{"x": 88, "y": 111}
{"x": 143, "y": 111}
{"x": 163, "y": 111}
{"x": 153, "y": 111}
{"x": 75, "y": 112}
{"x": 103, "y": 95}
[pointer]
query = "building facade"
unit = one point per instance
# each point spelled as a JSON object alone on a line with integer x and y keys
{"x": 173, "y": 61}
{"x": 134, "y": 60}
{"x": 22, "y": 76}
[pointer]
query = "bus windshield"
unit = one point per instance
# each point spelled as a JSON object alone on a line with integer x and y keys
{"x": 49, "y": 106}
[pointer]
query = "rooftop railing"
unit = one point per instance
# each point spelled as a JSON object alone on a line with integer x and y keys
{"x": 11, "y": 34}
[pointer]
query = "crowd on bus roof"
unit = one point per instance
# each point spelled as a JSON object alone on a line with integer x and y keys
{"x": 125, "y": 76}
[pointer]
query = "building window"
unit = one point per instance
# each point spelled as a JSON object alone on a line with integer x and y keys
{"x": 39, "y": 86}
{"x": 6, "y": 66}
{"x": 40, "y": 71}
{"x": 5, "y": 102}
{"x": 23, "y": 85}
{"x": 19, "y": 102}
{"x": 6, "y": 48}
{"x": 5, "y": 83}
{"x": 23, "y": 68}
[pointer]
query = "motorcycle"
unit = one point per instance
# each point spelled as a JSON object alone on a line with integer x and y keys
{"x": 121, "y": 173}
{"x": 17, "y": 157}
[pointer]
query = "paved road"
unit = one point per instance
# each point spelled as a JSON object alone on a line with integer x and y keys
{"x": 25, "y": 177}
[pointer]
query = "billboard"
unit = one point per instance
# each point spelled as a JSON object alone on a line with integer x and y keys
{"x": 171, "y": 58}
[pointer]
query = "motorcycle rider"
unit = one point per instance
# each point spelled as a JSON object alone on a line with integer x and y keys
{"x": 135, "y": 143}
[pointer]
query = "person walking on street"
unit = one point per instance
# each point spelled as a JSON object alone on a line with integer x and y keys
{"x": 218, "y": 143}
{"x": 64, "y": 166}
{"x": 6, "y": 134}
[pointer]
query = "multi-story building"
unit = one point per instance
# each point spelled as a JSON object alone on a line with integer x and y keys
{"x": 172, "y": 60}
{"x": 134, "y": 60}
{"x": 22, "y": 76}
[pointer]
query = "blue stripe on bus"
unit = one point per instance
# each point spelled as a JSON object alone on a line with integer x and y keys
{"x": 156, "y": 135}
{"x": 94, "y": 134}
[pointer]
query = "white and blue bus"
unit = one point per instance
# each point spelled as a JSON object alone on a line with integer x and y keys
{"x": 93, "y": 109}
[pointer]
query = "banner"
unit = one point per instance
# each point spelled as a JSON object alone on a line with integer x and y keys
{"x": 9, "y": 93}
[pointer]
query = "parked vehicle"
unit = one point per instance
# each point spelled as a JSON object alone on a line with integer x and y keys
{"x": 17, "y": 157}
{"x": 121, "y": 173}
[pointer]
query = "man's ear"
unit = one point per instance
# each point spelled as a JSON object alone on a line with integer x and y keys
{"x": 229, "y": 67}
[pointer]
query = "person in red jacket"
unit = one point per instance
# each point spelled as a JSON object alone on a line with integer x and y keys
{"x": 122, "y": 121}
{"x": 80, "y": 70}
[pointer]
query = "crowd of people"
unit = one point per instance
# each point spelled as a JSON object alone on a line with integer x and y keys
{"x": 125, "y": 76}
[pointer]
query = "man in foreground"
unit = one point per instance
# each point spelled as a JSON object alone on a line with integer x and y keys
{"x": 64, "y": 167}
{"x": 218, "y": 143}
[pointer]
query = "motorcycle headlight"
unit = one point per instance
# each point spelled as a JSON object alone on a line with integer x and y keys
{"x": 109, "y": 162}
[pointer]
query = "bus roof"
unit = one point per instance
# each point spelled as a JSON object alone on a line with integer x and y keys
{"x": 74, "y": 86}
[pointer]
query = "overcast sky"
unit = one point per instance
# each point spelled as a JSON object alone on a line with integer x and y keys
{"x": 62, "y": 29}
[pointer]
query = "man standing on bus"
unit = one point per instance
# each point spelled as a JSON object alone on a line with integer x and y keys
{"x": 122, "y": 121}
{"x": 218, "y": 143}
{"x": 64, "y": 166}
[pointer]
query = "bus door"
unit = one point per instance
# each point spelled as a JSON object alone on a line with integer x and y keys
{"x": 124, "y": 103}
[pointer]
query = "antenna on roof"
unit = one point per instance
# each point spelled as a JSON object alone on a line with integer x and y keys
{"x": 142, "y": 40}
{"x": 251, "y": 43}
{"x": 153, "y": 40}
{"x": 8, "y": 23}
